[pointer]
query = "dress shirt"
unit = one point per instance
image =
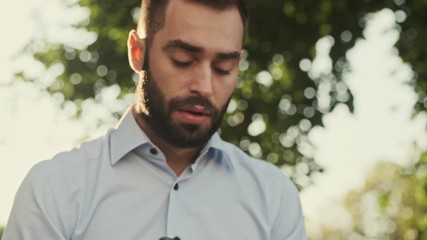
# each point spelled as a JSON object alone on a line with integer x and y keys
{"x": 120, "y": 187}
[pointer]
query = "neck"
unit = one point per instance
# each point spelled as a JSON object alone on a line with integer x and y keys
{"x": 177, "y": 158}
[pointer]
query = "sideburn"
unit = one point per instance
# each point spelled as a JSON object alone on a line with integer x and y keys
{"x": 141, "y": 99}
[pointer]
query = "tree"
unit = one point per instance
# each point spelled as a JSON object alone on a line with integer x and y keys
{"x": 399, "y": 197}
{"x": 276, "y": 102}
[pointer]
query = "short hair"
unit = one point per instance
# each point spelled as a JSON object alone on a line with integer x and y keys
{"x": 152, "y": 14}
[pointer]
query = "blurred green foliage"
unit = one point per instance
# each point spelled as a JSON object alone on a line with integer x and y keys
{"x": 401, "y": 202}
{"x": 282, "y": 33}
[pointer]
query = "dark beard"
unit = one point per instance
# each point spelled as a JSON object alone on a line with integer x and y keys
{"x": 158, "y": 116}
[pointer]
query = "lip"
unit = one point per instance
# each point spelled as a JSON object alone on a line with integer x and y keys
{"x": 194, "y": 114}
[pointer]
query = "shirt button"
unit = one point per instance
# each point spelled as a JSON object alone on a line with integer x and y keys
{"x": 153, "y": 151}
{"x": 176, "y": 187}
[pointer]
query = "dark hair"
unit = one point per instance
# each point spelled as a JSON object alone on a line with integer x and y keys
{"x": 152, "y": 14}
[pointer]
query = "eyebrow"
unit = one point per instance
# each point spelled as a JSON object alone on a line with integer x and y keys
{"x": 179, "y": 44}
{"x": 229, "y": 55}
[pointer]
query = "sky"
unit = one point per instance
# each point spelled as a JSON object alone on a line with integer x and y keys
{"x": 33, "y": 127}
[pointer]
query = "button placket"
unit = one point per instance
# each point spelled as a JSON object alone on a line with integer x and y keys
{"x": 173, "y": 216}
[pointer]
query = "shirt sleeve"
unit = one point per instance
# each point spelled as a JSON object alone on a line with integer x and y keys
{"x": 289, "y": 223}
{"x": 36, "y": 212}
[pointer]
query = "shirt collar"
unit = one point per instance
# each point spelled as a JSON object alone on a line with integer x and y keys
{"x": 125, "y": 137}
{"x": 219, "y": 145}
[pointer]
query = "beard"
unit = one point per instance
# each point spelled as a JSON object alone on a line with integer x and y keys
{"x": 158, "y": 114}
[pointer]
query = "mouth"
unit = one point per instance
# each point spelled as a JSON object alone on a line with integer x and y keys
{"x": 196, "y": 110}
{"x": 195, "y": 114}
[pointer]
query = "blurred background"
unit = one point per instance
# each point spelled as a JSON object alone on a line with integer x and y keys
{"x": 332, "y": 92}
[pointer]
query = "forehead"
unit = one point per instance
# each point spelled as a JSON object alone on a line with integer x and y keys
{"x": 211, "y": 29}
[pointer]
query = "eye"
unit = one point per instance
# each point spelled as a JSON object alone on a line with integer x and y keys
{"x": 222, "y": 72}
{"x": 180, "y": 64}
{"x": 224, "y": 67}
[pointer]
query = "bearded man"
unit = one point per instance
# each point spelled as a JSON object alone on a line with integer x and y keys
{"x": 164, "y": 172}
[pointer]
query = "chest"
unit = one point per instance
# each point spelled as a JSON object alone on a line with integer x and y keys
{"x": 212, "y": 205}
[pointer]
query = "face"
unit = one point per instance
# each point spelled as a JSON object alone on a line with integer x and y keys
{"x": 193, "y": 66}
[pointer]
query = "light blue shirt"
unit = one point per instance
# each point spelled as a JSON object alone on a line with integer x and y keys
{"x": 120, "y": 187}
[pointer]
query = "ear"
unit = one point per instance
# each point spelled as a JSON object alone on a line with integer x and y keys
{"x": 136, "y": 51}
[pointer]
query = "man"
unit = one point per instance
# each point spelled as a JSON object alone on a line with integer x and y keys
{"x": 163, "y": 172}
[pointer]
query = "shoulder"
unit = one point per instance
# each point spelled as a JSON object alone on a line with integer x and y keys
{"x": 66, "y": 163}
{"x": 279, "y": 195}
{"x": 262, "y": 171}
{"x": 51, "y": 194}
{"x": 241, "y": 160}
{"x": 55, "y": 188}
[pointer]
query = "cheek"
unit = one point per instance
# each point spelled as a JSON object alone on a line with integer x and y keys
{"x": 224, "y": 91}
{"x": 170, "y": 82}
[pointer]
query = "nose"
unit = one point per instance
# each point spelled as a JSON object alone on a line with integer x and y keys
{"x": 201, "y": 80}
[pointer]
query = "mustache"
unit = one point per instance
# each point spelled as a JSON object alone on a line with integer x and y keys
{"x": 177, "y": 103}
